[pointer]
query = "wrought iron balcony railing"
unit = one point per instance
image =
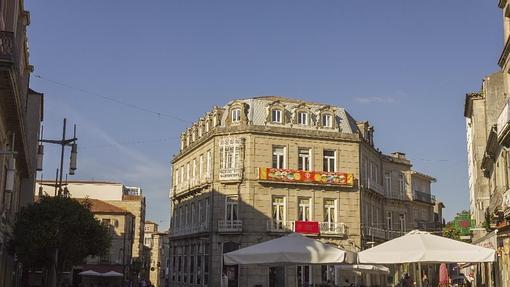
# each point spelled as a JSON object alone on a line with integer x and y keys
{"x": 333, "y": 228}
{"x": 230, "y": 226}
{"x": 424, "y": 197}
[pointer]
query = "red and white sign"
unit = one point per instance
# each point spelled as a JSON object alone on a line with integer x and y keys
{"x": 307, "y": 227}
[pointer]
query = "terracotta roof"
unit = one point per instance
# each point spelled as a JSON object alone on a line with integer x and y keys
{"x": 99, "y": 206}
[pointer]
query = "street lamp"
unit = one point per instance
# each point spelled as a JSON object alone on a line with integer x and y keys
{"x": 72, "y": 161}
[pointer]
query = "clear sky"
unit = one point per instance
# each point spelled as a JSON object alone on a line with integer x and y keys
{"x": 403, "y": 65}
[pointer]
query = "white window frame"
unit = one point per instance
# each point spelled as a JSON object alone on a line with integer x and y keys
{"x": 304, "y": 268}
{"x": 305, "y": 159}
{"x": 236, "y": 115}
{"x": 402, "y": 183}
{"x": 387, "y": 182}
{"x": 302, "y": 118}
{"x": 328, "y": 208}
{"x": 278, "y": 223}
{"x": 328, "y": 160}
{"x": 201, "y": 166}
{"x": 177, "y": 176}
{"x": 277, "y": 116}
{"x": 208, "y": 163}
{"x": 194, "y": 172}
{"x": 188, "y": 171}
{"x": 389, "y": 220}
{"x": 304, "y": 209}
{"x": 281, "y": 159}
{"x": 402, "y": 219}
{"x": 231, "y": 204}
{"x": 327, "y": 120}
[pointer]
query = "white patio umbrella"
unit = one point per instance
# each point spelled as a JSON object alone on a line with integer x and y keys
{"x": 112, "y": 274}
{"x": 422, "y": 247}
{"x": 364, "y": 268}
{"x": 89, "y": 273}
{"x": 288, "y": 250}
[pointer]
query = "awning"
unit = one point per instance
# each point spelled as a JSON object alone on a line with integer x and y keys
{"x": 289, "y": 250}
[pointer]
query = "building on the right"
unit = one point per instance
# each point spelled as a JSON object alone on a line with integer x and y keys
{"x": 487, "y": 114}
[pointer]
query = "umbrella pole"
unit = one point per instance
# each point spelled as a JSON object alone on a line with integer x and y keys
{"x": 419, "y": 275}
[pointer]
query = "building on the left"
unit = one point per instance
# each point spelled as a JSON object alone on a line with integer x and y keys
{"x": 21, "y": 112}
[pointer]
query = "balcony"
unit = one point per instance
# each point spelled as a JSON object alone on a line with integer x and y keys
{"x": 395, "y": 195}
{"x": 381, "y": 233}
{"x": 325, "y": 228}
{"x": 333, "y": 228}
{"x": 374, "y": 186}
{"x": 189, "y": 229}
{"x": 503, "y": 126}
{"x": 424, "y": 197}
{"x": 230, "y": 226}
{"x": 280, "y": 226}
{"x": 231, "y": 174}
{"x": 429, "y": 226}
{"x": 191, "y": 184}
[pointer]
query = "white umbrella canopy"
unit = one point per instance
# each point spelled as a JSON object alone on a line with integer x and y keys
{"x": 89, "y": 273}
{"x": 421, "y": 246}
{"x": 364, "y": 267}
{"x": 112, "y": 274}
{"x": 290, "y": 249}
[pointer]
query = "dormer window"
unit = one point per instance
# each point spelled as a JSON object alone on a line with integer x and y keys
{"x": 302, "y": 118}
{"x": 236, "y": 115}
{"x": 207, "y": 126}
{"x": 276, "y": 116}
{"x": 327, "y": 121}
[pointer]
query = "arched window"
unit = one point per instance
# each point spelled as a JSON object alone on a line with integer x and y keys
{"x": 276, "y": 116}
{"x": 236, "y": 115}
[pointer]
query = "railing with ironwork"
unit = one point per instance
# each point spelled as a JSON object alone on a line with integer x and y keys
{"x": 230, "y": 225}
{"x": 280, "y": 226}
{"x": 381, "y": 233}
{"x": 189, "y": 229}
{"x": 373, "y": 185}
{"x": 230, "y": 174}
{"x": 191, "y": 183}
{"x": 333, "y": 228}
{"x": 424, "y": 197}
{"x": 7, "y": 46}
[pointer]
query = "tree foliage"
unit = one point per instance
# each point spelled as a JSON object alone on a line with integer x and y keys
{"x": 58, "y": 223}
{"x": 450, "y": 230}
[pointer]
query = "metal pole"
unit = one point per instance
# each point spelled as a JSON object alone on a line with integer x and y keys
{"x": 62, "y": 158}
{"x": 419, "y": 275}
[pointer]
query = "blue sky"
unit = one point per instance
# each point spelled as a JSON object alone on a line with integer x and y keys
{"x": 402, "y": 65}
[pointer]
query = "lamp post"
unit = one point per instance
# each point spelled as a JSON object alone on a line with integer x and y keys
{"x": 71, "y": 142}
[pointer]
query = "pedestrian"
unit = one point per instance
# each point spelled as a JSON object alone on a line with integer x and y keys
{"x": 425, "y": 280}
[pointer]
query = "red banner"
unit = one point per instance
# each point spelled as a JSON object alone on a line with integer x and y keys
{"x": 306, "y": 227}
{"x": 321, "y": 177}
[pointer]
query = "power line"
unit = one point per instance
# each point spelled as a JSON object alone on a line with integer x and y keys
{"x": 130, "y": 105}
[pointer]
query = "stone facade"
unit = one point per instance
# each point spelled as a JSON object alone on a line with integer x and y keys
{"x": 21, "y": 112}
{"x": 258, "y": 168}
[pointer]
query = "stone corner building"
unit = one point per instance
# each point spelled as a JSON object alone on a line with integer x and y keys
{"x": 21, "y": 112}
{"x": 259, "y": 168}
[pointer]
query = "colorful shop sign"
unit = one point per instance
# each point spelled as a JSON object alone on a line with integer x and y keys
{"x": 321, "y": 177}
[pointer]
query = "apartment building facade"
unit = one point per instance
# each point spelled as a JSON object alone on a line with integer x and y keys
{"x": 259, "y": 168}
{"x": 124, "y": 197}
{"x": 21, "y": 112}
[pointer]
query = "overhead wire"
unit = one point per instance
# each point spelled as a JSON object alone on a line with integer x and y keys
{"x": 111, "y": 99}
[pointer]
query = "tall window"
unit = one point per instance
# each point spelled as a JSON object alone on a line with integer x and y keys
{"x": 278, "y": 157}
{"x": 193, "y": 214}
{"x": 208, "y": 163}
{"x": 403, "y": 222}
{"x": 276, "y": 116}
{"x": 230, "y": 157}
{"x": 327, "y": 120}
{"x": 304, "y": 159}
{"x": 329, "y": 213}
{"x": 182, "y": 174}
{"x": 329, "y": 160}
{"x": 302, "y": 118}
{"x": 389, "y": 221}
{"x": 194, "y": 168}
{"x": 402, "y": 183}
{"x": 387, "y": 182}
{"x": 278, "y": 214}
{"x": 236, "y": 115}
{"x": 304, "y": 209}
{"x": 177, "y": 176}
{"x": 304, "y": 275}
{"x": 231, "y": 208}
{"x": 187, "y": 171}
{"x": 201, "y": 166}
